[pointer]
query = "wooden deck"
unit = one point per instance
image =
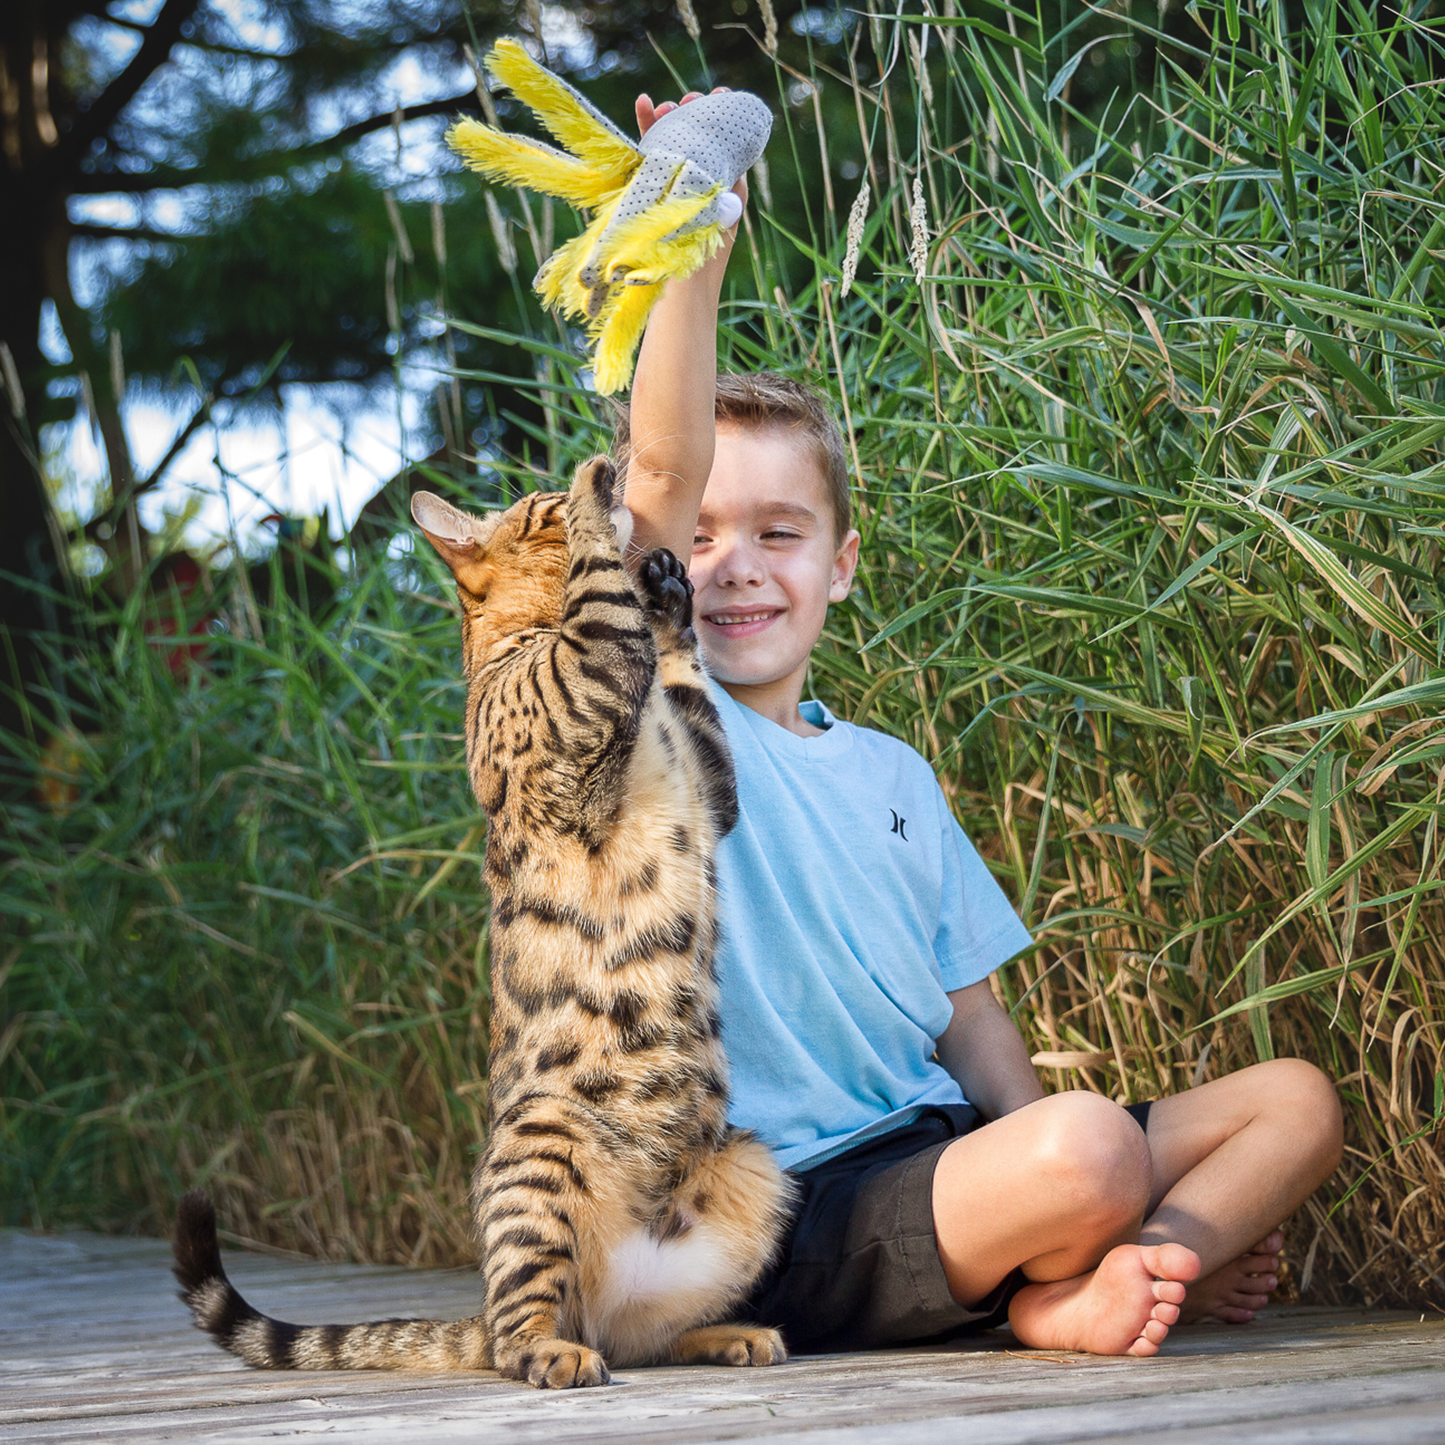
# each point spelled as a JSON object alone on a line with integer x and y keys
{"x": 95, "y": 1346}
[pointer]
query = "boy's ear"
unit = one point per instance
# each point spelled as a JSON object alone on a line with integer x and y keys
{"x": 458, "y": 537}
{"x": 845, "y": 563}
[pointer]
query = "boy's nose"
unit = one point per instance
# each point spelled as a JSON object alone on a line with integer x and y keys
{"x": 738, "y": 566}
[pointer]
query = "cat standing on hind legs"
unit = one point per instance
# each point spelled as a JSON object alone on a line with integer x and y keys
{"x": 620, "y": 1216}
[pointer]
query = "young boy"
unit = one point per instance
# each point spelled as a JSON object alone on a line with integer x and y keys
{"x": 940, "y": 1187}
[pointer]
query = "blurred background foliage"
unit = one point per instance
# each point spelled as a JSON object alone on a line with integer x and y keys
{"x": 1131, "y": 313}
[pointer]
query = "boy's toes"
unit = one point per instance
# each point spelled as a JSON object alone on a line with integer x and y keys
{"x": 1170, "y": 1292}
{"x": 1263, "y": 1258}
{"x": 1248, "y": 1291}
{"x": 1171, "y": 1263}
{"x": 1150, "y": 1338}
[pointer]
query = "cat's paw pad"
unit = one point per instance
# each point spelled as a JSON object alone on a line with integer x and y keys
{"x": 667, "y": 587}
{"x": 559, "y": 1365}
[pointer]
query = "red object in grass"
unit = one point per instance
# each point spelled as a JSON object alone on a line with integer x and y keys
{"x": 180, "y": 597}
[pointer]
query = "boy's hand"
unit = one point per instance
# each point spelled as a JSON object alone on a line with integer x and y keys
{"x": 648, "y": 115}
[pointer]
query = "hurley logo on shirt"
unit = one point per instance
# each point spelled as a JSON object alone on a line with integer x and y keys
{"x": 898, "y": 825}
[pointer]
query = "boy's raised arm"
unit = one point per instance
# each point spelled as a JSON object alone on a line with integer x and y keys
{"x": 671, "y": 410}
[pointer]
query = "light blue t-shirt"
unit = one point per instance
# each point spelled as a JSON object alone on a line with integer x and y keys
{"x": 852, "y": 903}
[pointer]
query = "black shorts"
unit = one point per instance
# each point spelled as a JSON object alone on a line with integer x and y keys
{"x": 858, "y": 1265}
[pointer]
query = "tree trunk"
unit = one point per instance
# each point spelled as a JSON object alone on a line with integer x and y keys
{"x": 34, "y": 580}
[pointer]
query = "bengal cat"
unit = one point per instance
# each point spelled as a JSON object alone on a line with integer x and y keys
{"x": 619, "y": 1214}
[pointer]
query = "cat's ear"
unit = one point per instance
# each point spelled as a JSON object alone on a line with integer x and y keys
{"x": 458, "y": 537}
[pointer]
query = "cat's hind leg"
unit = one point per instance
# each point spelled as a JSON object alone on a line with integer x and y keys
{"x": 739, "y": 1192}
{"x": 696, "y": 1260}
{"x": 729, "y": 1345}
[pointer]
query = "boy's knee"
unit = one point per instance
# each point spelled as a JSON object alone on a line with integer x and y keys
{"x": 1090, "y": 1149}
{"x": 1305, "y": 1095}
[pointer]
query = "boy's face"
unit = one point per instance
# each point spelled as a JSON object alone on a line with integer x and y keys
{"x": 765, "y": 561}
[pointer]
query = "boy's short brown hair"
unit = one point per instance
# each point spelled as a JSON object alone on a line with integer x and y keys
{"x": 756, "y": 400}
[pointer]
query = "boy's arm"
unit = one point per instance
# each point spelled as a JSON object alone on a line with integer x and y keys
{"x": 671, "y": 411}
{"x": 671, "y": 408}
{"x": 985, "y": 1052}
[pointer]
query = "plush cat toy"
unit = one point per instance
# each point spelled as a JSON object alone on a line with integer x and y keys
{"x": 660, "y": 205}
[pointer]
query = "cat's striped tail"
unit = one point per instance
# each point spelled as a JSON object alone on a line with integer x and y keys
{"x": 275, "y": 1345}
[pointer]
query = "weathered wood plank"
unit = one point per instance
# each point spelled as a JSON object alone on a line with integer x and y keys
{"x": 95, "y": 1346}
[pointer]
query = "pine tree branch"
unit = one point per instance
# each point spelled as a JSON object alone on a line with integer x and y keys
{"x": 201, "y": 415}
{"x": 89, "y": 231}
{"x": 210, "y": 47}
{"x": 362, "y": 128}
{"x": 160, "y": 38}
{"x": 156, "y": 178}
{"x": 162, "y": 178}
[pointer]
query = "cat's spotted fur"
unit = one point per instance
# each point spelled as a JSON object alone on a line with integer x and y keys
{"x": 620, "y": 1215}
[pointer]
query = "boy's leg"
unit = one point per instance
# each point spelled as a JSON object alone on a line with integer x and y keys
{"x": 1233, "y": 1159}
{"x": 1060, "y": 1188}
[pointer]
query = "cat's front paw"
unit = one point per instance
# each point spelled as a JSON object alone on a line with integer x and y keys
{"x": 667, "y": 587}
{"x": 556, "y": 1365}
{"x": 599, "y": 476}
{"x": 595, "y": 495}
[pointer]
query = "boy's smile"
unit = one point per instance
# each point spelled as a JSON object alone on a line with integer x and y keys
{"x": 766, "y": 563}
{"x": 735, "y": 623}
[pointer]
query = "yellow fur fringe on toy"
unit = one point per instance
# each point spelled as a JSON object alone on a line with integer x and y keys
{"x": 659, "y": 207}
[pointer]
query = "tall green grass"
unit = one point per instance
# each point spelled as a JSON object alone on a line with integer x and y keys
{"x": 250, "y": 952}
{"x": 1147, "y": 415}
{"x": 1153, "y": 463}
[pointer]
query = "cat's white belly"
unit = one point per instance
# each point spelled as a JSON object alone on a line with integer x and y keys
{"x": 643, "y": 1269}
{"x": 655, "y": 1288}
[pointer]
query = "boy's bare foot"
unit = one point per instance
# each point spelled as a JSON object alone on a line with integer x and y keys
{"x": 1124, "y": 1307}
{"x": 1233, "y": 1293}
